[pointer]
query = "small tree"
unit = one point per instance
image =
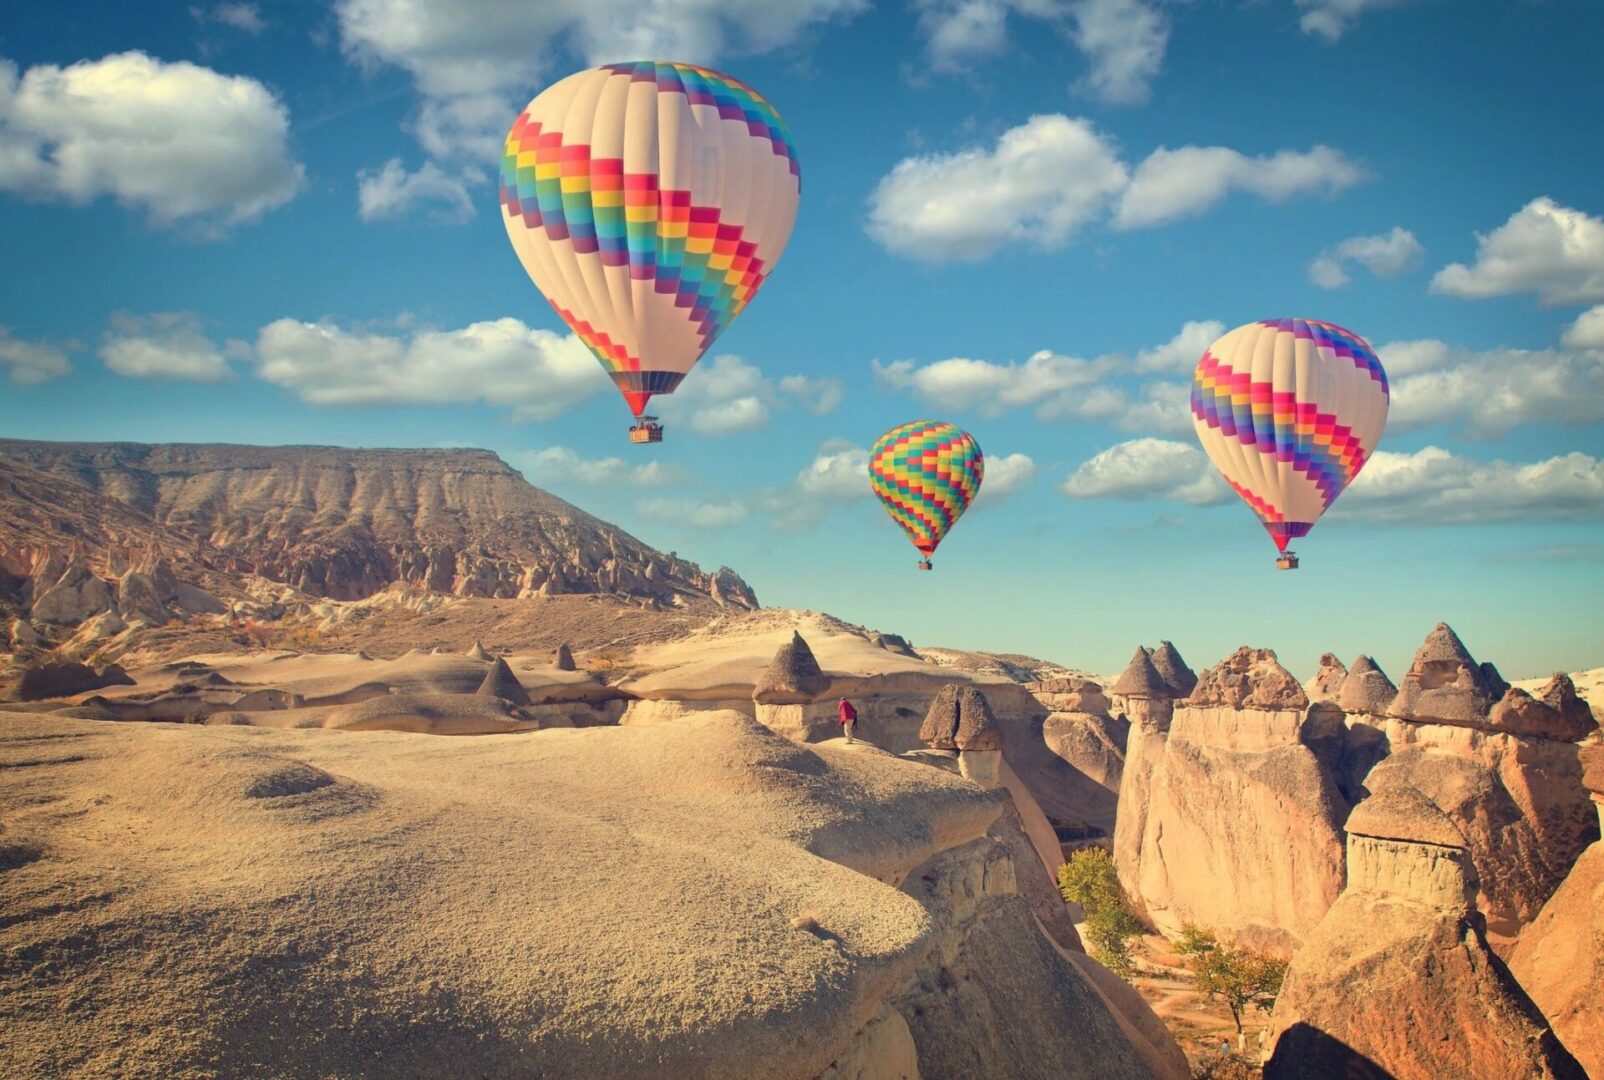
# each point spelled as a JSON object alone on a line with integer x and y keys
{"x": 1240, "y": 976}
{"x": 1088, "y": 879}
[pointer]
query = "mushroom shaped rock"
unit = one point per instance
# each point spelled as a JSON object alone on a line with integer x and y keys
{"x": 477, "y": 652}
{"x": 1327, "y": 682}
{"x": 1141, "y": 679}
{"x": 1445, "y": 684}
{"x": 793, "y": 677}
{"x": 1555, "y": 714}
{"x": 1173, "y": 670}
{"x": 1366, "y": 690}
{"x": 564, "y": 658}
{"x": 1249, "y": 679}
{"x": 502, "y": 683}
{"x": 1402, "y": 812}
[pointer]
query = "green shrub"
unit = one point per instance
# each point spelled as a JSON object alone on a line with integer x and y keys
{"x": 1088, "y": 879}
{"x": 1240, "y": 976}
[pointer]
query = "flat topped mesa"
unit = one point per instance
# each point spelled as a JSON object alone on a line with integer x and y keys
{"x": 501, "y": 683}
{"x": 1367, "y": 689}
{"x": 1141, "y": 679}
{"x": 793, "y": 677}
{"x": 1327, "y": 682}
{"x": 1249, "y": 679}
{"x": 1168, "y": 663}
{"x": 1445, "y": 684}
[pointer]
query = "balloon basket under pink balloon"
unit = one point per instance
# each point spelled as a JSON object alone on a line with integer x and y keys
{"x": 647, "y": 431}
{"x": 1287, "y": 561}
{"x": 924, "y": 564}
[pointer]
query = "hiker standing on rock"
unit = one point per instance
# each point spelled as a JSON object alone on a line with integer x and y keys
{"x": 847, "y": 717}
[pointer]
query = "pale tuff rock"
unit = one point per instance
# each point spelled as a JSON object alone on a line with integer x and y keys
{"x": 1173, "y": 670}
{"x": 977, "y": 727}
{"x": 1249, "y": 679}
{"x": 1445, "y": 684}
{"x": 1327, "y": 682}
{"x": 1559, "y": 959}
{"x": 477, "y": 652}
{"x": 139, "y": 597}
{"x": 564, "y": 659}
{"x": 22, "y": 633}
{"x": 793, "y": 677}
{"x": 1141, "y": 679}
{"x": 1094, "y": 744}
{"x": 75, "y": 596}
{"x": 895, "y": 643}
{"x": 1557, "y": 713}
{"x": 1073, "y": 694}
{"x": 1366, "y": 690}
{"x": 1397, "y": 979}
{"x": 501, "y": 683}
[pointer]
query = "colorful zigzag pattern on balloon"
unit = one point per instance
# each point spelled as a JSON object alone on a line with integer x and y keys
{"x": 685, "y": 250}
{"x": 926, "y": 473}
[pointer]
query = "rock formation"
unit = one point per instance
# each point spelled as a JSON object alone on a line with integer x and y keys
{"x": 1366, "y": 690}
{"x": 1397, "y": 980}
{"x": 1556, "y": 713}
{"x": 501, "y": 683}
{"x": 978, "y": 739}
{"x": 564, "y": 658}
{"x": 1237, "y": 823}
{"x": 1248, "y": 679}
{"x": 1150, "y": 706}
{"x": 1173, "y": 670}
{"x": 477, "y": 652}
{"x": 810, "y": 911}
{"x": 1445, "y": 685}
{"x": 1327, "y": 682}
{"x": 1559, "y": 958}
{"x": 331, "y": 522}
{"x": 793, "y": 677}
{"x": 55, "y": 679}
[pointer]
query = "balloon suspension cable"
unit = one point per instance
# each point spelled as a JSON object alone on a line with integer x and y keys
{"x": 1287, "y": 560}
{"x": 646, "y": 430}
{"x": 924, "y": 564}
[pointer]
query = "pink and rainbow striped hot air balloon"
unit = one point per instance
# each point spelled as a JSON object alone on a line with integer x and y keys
{"x": 649, "y": 202}
{"x": 1289, "y": 411}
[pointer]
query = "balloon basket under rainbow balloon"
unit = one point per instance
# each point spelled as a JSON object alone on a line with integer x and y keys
{"x": 924, "y": 564}
{"x": 1287, "y": 560}
{"x": 647, "y": 430}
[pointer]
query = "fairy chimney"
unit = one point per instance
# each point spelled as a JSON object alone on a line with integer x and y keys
{"x": 793, "y": 677}
{"x": 1366, "y": 690}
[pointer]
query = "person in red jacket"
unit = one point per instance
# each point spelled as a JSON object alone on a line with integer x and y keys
{"x": 847, "y": 717}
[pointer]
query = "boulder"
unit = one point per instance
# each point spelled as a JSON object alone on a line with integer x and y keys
{"x": 1445, "y": 684}
{"x": 138, "y": 598}
{"x": 564, "y": 658}
{"x": 1248, "y": 679}
{"x": 1397, "y": 980}
{"x": 1557, "y": 713}
{"x": 501, "y": 683}
{"x": 1327, "y": 682}
{"x": 1366, "y": 690}
{"x": 1173, "y": 670}
{"x": 793, "y": 677}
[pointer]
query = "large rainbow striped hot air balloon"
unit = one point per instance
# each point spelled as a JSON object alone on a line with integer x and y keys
{"x": 649, "y": 202}
{"x": 1289, "y": 411}
{"x": 926, "y": 473}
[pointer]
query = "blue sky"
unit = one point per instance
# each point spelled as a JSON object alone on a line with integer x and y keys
{"x": 275, "y": 223}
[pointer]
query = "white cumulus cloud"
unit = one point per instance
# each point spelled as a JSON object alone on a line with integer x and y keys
{"x": 1039, "y": 184}
{"x": 1385, "y": 255}
{"x": 246, "y": 17}
{"x": 1173, "y": 184}
{"x": 560, "y": 465}
{"x": 29, "y": 363}
{"x": 539, "y": 374}
{"x": 1149, "y": 469}
{"x": 726, "y": 395}
{"x": 1587, "y": 332}
{"x": 180, "y": 142}
{"x": 1434, "y": 486}
{"x": 1485, "y": 393}
{"x": 1005, "y": 475}
{"x": 693, "y": 513}
{"x": 391, "y": 191}
{"x": 1544, "y": 248}
{"x": 166, "y": 345}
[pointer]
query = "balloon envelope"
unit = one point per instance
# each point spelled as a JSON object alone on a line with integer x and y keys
{"x": 1289, "y": 411}
{"x": 926, "y": 473}
{"x": 649, "y": 202}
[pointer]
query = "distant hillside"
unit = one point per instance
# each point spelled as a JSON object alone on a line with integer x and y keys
{"x": 332, "y": 522}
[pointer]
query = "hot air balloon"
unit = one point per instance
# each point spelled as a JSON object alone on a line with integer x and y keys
{"x": 926, "y": 473}
{"x": 1289, "y": 411}
{"x": 649, "y": 202}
